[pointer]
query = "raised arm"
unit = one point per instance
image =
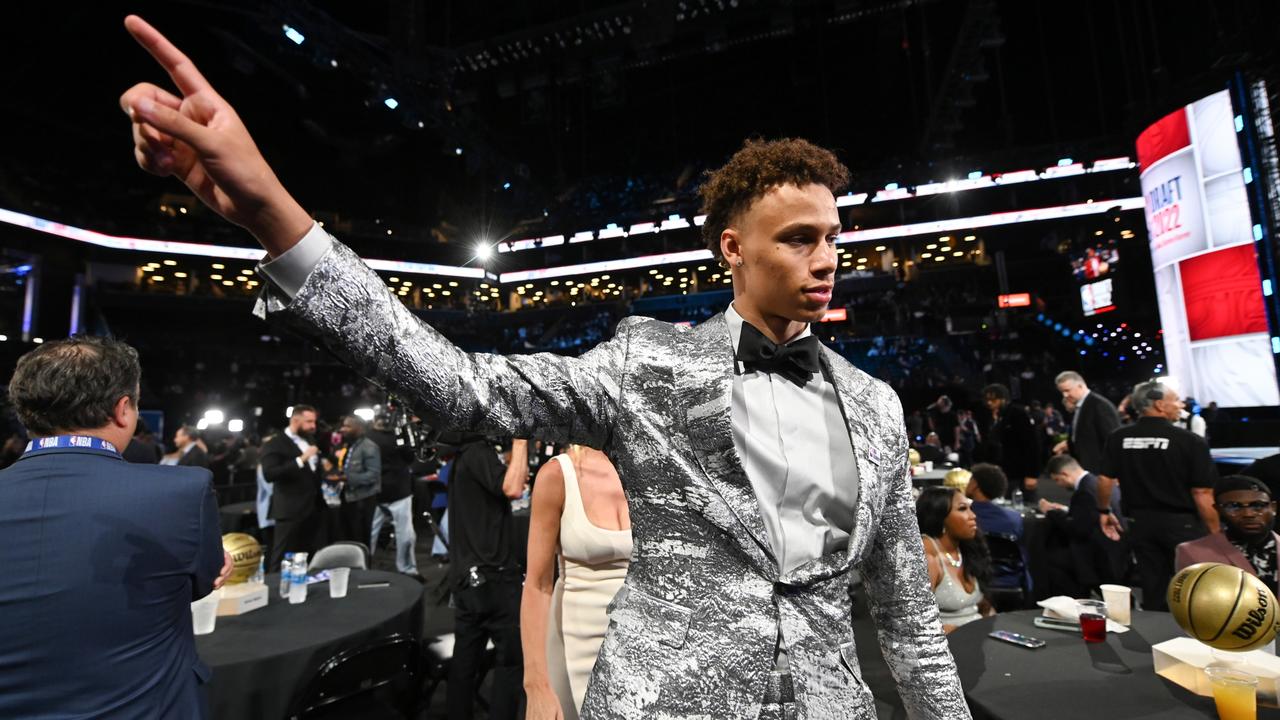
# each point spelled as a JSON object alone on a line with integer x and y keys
{"x": 535, "y": 602}
{"x": 198, "y": 138}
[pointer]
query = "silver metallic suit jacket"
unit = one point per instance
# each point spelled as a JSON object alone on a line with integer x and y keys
{"x": 693, "y": 631}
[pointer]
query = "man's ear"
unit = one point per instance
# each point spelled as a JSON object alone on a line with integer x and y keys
{"x": 730, "y": 247}
{"x": 122, "y": 410}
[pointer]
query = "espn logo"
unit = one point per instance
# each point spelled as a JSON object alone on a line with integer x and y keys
{"x": 1146, "y": 443}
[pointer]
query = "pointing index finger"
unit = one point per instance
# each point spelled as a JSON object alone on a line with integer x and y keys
{"x": 180, "y": 68}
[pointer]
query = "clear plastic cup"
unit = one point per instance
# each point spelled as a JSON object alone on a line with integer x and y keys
{"x": 1117, "y": 599}
{"x": 204, "y": 613}
{"x": 338, "y": 579}
{"x": 1093, "y": 620}
{"x": 1235, "y": 692}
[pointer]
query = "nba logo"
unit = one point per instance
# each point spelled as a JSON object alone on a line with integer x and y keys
{"x": 48, "y": 442}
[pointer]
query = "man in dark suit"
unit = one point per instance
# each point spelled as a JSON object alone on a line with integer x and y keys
{"x": 1093, "y": 421}
{"x": 1084, "y": 558}
{"x": 1012, "y": 441}
{"x": 291, "y": 464}
{"x": 187, "y": 442}
{"x": 100, "y": 558}
{"x": 987, "y": 483}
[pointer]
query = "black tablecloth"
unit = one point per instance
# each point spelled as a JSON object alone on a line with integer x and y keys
{"x": 239, "y": 517}
{"x": 1069, "y": 678}
{"x": 262, "y": 659}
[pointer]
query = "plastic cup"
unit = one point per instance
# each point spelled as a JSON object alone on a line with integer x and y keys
{"x": 1117, "y": 599}
{"x": 1235, "y": 692}
{"x": 1093, "y": 620}
{"x": 338, "y": 578}
{"x": 204, "y": 613}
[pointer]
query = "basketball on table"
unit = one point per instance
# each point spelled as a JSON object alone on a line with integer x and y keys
{"x": 245, "y": 552}
{"x": 1223, "y": 606}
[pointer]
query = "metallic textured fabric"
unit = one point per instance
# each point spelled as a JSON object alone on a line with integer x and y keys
{"x": 693, "y": 631}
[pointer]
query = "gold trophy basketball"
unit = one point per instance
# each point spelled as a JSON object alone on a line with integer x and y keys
{"x": 957, "y": 479}
{"x": 1223, "y": 607}
{"x": 239, "y": 595}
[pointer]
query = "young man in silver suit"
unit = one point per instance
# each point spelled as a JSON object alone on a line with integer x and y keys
{"x": 760, "y": 467}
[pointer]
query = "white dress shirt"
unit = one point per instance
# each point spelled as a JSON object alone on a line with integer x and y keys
{"x": 302, "y": 444}
{"x": 802, "y": 469}
{"x": 795, "y": 447}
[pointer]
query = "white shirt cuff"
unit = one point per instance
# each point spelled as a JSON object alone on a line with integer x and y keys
{"x": 290, "y": 270}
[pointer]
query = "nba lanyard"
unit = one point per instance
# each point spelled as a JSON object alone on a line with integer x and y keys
{"x": 69, "y": 441}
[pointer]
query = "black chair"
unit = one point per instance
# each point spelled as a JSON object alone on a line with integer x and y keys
{"x": 437, "y": 655}
{"x": 1007, "y": 562}
{"x": 379, "y": 679}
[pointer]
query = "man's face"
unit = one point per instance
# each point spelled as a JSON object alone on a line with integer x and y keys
{"x": 994, "y": 403}
{"x": 1248, "y": 512}
{"x": 1171, "y": 406}
{"x": 350, "y": 431}
{"x": 1072, "y": 391}
{"x": 304, "y": 423}
{"x": 1062, "y": 479}
{"x": 180, "y": 438}
{"x": 786, "y": 241}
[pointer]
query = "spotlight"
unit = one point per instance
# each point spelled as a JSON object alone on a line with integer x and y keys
{"x": 293, "y": 35}
{"x": 236, "y": 425}
{"x": 391, "y": 103}
{"x": 364, "y": 413}
{"x": 214, "y": 417}
{"x": 484, "y": 250}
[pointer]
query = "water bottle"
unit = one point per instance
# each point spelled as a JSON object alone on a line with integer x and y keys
{"x": 286, "y": 574}
{"x": 260, "y": 574}
{"x": 298, "y": 584}
{"x": 1017, "y": 499}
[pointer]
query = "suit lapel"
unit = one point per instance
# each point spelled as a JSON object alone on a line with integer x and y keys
{"x": 706, "y": 391}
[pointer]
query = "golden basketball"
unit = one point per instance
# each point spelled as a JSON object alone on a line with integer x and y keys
{"x": 245, "y": 553}
{"x": 957, "y": 478}
{"x": 1223, "y": 606}
{"x": 913, "y": 456}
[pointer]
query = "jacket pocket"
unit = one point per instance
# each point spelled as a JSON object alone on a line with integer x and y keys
{"x": 637, "y": 612}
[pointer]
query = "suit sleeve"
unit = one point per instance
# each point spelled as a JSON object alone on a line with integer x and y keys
{"x": 345, "y": 306}
{"x": 1106, "y": 420}
{"x": 902, "y": 605}
{"x": 208, "y": 559}
{"x": 280, "y": 467}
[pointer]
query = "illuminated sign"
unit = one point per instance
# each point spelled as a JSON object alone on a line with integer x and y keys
{"x": 835, "y": 315}
{"x": 1014, "y": 300}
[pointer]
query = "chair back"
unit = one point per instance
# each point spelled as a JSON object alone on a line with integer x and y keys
{"x": 351, "y": 683}
{"x": 346, "y": 554}
{"x": 1009, "y": 589}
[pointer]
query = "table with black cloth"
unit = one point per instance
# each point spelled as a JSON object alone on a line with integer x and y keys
{"x": 263, "y": 659}
{"x": 1069, "y": 678}
{"x": 239, "y": 517}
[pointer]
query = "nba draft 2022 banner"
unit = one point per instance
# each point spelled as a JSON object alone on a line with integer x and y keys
{"x": 1209, "y": 290}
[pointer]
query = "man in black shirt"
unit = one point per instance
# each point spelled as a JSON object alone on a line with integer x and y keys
{"x": 1168, "y": 477}
{"x": 1012, "y": 441}
{"x": 395, "y": 501}
{"x": 485, "y": 574}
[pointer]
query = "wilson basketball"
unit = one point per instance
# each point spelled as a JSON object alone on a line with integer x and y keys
{"x": 957, "y": 478}
{"x": 245, "y": 553}
{"x": 1223, "y": 606}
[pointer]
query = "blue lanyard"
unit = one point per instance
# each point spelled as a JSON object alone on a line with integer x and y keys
{"x": 69, "y": 441}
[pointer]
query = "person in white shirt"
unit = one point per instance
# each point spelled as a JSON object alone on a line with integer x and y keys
{"x": 760, "y": 466}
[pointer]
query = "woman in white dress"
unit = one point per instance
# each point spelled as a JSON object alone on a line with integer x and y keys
{"x": 959, "y": 563}
{"x": 578, "y": 523}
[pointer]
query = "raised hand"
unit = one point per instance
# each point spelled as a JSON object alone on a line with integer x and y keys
{"x": 198, "y": 138}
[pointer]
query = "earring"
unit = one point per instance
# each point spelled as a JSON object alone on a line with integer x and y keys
{"x": 739, "y": 263}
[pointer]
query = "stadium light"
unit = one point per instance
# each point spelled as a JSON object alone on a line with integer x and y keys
{"x": 484, "y": 250}
{"x": 288, "y": 412}
{"x": 202, "y": 424}
{"x": 294, "y": 35}
{"x": 364, "y": 413}
{"x": 391, "y": 103}
{"x": 214, "y": 417}
{"x": 236, "y": 425}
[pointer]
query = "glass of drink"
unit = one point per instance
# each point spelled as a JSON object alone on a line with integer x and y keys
{"x": 1117, "y": 599}
{"x": 1093, "y": 620}
{"x": 1235, "y": 692}
{"x": 338, "y": 579}
{"x": 204, "y": 613}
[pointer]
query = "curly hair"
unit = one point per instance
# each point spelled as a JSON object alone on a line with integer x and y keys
{"x": 759, "y": 166}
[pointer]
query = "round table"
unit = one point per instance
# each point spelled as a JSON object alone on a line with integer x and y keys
{"x": 1069, "y": 678}
{"x": 261, "y": 660}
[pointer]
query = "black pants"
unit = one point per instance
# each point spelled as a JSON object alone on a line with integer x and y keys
{"x": 357, "y": 519}
{"x": 292, "y": 535}
{"x": 1156, "y": 535}
{"x": 488, "y": 612}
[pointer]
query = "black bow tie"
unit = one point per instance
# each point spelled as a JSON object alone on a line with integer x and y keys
{"x": 796, "y": 362}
